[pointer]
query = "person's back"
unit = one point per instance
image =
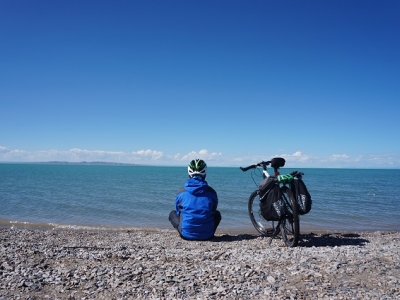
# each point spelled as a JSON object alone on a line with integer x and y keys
{"x": 195, "y": 215}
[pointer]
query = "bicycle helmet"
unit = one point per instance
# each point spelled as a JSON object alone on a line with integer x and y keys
{"x": 197, "y": 167}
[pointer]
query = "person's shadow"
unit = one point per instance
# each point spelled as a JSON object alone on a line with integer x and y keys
{"x": 306, "y": 240}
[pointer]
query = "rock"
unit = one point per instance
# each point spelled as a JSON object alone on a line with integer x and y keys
{"x": 156, "y": 264}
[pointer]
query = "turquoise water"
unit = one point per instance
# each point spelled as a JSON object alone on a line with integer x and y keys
{"x": 64, "y": 196}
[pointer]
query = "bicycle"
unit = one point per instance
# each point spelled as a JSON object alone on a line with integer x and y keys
{"x": 289, "y": 224}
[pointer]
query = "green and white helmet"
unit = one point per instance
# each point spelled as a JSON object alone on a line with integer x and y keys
{"x": 197, "y": 167}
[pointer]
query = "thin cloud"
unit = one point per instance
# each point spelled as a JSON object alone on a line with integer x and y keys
{"x": 156, "y": 157}
{"x": 298, "y": 156}
{"x": 340, "y": 157}
{"x": 202, "y": 154}
{"x": 152, "y": 154}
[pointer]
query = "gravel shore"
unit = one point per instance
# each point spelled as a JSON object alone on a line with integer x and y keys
{"x": 158, "y": 264}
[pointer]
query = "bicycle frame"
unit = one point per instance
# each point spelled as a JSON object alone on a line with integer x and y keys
{"x": 288, "y": 225}
{"x": 266, "y": 175}
{"x": 265, "y": 171}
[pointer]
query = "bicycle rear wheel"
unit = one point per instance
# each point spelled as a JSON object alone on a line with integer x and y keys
{"x": 264, "y": 227}
{"x": 290, "y": 226}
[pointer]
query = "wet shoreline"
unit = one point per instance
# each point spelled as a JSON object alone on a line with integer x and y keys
{"x": 304, "y": 228}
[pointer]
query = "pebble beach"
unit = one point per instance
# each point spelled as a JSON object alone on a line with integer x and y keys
{"x": 158, "y": 264}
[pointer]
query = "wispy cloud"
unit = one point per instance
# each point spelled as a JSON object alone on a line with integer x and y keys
{"x": 148, "y": 154}
{"x": 156, "y": 157}
{"x": 203, "y": 154}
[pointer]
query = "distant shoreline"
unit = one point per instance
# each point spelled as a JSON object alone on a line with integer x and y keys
{"x": 88, "y": 163}
{"x": 103, "y": 163}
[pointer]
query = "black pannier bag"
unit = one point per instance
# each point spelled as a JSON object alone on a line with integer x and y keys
{"x": 266, "y": 184}
{"x": 272, "y": 206}
{"x": 301, "y": 195}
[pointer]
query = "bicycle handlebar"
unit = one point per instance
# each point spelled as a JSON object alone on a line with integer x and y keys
{"x": 266, "y": 163}
{"x": 263, "y": 163}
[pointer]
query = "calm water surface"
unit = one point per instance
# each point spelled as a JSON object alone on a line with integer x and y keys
{"x": 62, "y": 196}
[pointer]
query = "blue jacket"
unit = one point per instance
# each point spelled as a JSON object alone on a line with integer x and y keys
{"x": 195, "y": 204}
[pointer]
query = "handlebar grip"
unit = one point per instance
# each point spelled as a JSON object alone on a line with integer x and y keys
{"x": 248, "y": 168}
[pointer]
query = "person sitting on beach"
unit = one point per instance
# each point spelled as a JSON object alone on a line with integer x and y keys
{"x": 196, "y": 216}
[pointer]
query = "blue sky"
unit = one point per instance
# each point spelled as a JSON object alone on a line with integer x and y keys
{"x": 232, "y": 82}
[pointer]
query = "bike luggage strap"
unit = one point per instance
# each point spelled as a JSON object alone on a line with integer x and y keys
{"x": 285, "y": 178}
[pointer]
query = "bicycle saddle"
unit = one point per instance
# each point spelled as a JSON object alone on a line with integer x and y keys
{"x": 277, "y": 162}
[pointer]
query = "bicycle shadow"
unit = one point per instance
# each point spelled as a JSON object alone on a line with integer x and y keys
{"x": 306, "y": 240}
{"x": 331, "y": 240}
{"x": 234, "y": 238}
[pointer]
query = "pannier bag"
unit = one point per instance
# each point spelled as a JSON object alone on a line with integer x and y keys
{"x": 272, "y": 205}
{"x": 301, "y": 195}
{"x": 266, "y": 184}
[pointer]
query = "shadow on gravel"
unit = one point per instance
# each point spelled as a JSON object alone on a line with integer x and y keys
{"x": 306, "y": 240}
{"x": 234, "y": 238}
{"x": 331, "y": 240}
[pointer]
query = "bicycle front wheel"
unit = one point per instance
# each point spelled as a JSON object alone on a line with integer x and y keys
{"x": 290, "y": 225}
{"x": 264, "y": 227}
